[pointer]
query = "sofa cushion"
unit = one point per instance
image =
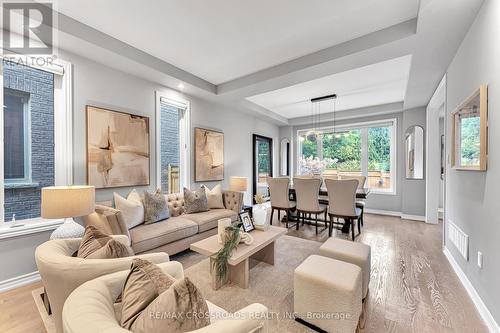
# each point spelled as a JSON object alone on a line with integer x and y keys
{"x": 208, "y": 220}
{"x": 149, "y": 236}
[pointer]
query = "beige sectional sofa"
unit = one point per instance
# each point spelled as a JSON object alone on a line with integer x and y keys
{"x": 172, "y": 235}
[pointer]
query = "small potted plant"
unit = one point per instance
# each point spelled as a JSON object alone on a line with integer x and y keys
{"x": 261, "y": 212}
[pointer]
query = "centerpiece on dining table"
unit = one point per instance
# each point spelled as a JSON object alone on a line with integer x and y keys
{"x": 315, "y": 166}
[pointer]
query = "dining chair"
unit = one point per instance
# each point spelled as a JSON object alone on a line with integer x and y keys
{"x": 342, "y": 203}
{"x": 280, "y": 200}
{"x": 360, "y": 203}
{"x": 306, "y": 194}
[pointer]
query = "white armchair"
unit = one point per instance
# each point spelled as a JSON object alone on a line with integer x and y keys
{"x": 61, "y": 273}
{"x": 91, "y": 308}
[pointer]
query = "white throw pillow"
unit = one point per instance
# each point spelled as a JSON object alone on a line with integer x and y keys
{"x": 214, "y": 197}
{"x": 132, "y": 208}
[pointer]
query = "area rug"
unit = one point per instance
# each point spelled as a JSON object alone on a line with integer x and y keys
{"x": 270, "y": 285}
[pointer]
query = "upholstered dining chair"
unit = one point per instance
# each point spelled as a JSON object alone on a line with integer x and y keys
{"x": 61, "y": 272}
{"x": 280, "y": 200}
{"x": 306, "y": 194}
{"x": 342, "y": 198}
{"x": 360, "y": 203}
{"x": 91, "y": 308}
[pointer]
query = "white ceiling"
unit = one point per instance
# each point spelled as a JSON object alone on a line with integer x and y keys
{"x": 276, "y": 54}
{"x": 381, "y": 83}
{"x": 221, "y": 40}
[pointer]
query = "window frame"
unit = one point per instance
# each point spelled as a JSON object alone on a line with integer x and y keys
{"x": 26, "y": 138}
{"x": 363, "y": 127}
{"x": 172, "y": 98}
{"x": 63, "y": 139}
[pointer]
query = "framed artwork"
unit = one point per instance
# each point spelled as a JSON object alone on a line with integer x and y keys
{"x": 469, "y": 150}
{"x": 208, "y": 155}
{"x": 246, "y": 221}
{"x": 117, "y": 148}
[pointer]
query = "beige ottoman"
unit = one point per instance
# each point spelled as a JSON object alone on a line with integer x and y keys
{"x": 327, "y": 294}
{"x": 353, "y": 252}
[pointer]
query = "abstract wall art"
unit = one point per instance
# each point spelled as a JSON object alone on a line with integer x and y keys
{"x": 209, "y": 155}
{"x": 117, "y": 148}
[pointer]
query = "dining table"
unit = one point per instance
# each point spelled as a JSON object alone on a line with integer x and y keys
{"x": 361, "y": 193}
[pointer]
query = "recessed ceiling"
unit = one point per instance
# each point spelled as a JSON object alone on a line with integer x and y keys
{"x": 220, "y": 40}
{"x": 381, "y": 83}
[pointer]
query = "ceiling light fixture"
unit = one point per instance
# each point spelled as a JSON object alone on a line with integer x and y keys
{"x": 316, "y": 114}
{"x": 180, "y": 86}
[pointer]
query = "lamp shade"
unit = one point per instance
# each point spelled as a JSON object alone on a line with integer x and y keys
{"x": 67, "y": 201}
{"x": 238, "y": 184}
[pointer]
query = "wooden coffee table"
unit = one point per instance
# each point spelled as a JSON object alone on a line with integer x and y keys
{"x": 262, "y": 249}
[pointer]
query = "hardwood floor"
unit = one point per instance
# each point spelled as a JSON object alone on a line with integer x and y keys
{"x": 18, "y": 312}
{"x": 412, "y": 289}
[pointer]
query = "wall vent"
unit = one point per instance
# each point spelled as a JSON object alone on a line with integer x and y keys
{"x": 459, "y": 238}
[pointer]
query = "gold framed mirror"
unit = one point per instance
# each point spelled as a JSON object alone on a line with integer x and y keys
{"x": 470, "y": 132}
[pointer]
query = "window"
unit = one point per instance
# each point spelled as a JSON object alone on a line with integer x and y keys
{"x": 361, "y": 149}
{"x": 37, "y": 126}
{"x": 16, "y": 136}
{"x": 173, "y": 125}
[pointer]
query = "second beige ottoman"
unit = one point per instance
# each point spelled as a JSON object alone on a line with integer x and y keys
{"x": 327, "y": 294}
{"x": 353, "y": 252}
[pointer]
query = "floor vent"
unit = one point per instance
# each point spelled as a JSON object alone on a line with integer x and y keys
{"x": 459, "y": 239}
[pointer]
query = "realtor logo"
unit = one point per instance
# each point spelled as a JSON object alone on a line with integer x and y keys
{"x": 33, "y": 24}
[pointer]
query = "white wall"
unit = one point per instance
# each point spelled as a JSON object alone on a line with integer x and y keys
{"x": 98, "y": 85}
{"x": 472, "y": 197}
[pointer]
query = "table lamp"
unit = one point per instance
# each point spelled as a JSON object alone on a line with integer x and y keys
{"x": 67, "y": 202}
{"x": 238, "y": 184}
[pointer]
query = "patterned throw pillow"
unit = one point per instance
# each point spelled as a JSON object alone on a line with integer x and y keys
{"x": 97, "y": 245}
{"x": 144, "y": 283}
{"x": 148, "y": 291}
{"x": 155, "y": 207}
{"x": 195, "y": 201}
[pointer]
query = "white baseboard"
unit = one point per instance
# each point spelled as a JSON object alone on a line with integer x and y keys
{"x": 413, "y": 217}
{"x": 19, "y": 281}
{"x": 476, "y": 299}
{"x": 394, "y": 213}
{"x": 382, "y": 212}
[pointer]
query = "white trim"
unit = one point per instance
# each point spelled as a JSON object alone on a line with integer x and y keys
{"x": 63, "y": 126}
{"x": 19, "y": 281}
{"x": 413, "y": 217}
{"x": 49, "y": 63}
{"x": 176, "y": 103}
{"x": 394, "y": 213}
{"x": 184, "y": 137}
{"x": 363, "y": 127}
{"x": 27, "y": 227}
{"x": 382, "y": 212}
{"x": 476, "y": 299}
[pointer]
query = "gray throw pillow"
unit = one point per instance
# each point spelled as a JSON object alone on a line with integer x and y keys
{"x": 155, "y": 207}
{"x": 195, "y": 201}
